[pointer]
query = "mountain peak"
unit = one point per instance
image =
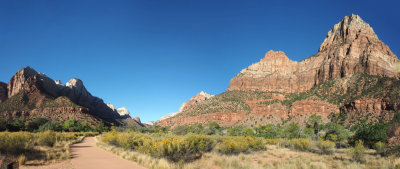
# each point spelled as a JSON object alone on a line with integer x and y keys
{"x": 351, "y": 27}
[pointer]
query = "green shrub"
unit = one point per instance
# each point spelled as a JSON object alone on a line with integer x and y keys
{"x": 301, "y": 144}
{"x": 358, "y": 151}
{"x": 326, "y": 147}
{"x": 380, "y": 147}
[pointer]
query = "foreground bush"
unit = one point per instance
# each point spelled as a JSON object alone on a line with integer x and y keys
{"x": 326, "y": 147}
{"x": 47, "y": 138}
{"x": 15, "y": 143}
{"x": 358, "y": 151}
{"x": 238, "y": 144}
{"x": 20, "y": 142}
{"x": 301, "y": 144}
{"x": 379, "y": 147}
{"x": 172, "y": 147}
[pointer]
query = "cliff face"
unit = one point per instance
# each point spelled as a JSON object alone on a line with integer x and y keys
{"x": 350, "y": 47}
{"x": 3, "y": 92}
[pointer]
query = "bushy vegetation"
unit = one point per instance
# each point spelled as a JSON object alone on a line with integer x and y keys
{"x": 326, "y": 146}
{"x": 239, "y": 144}
{"x": 358, "y": 151}
{"x": 172, "y": 147}
{"x": 301, "y": 144}
{"x": 43, "y": 124}
{"x": 380, "y": 147}
{"x": 19, "y": 142}
{"x": 370, "y": 133}
{"x": 177, "y": 147}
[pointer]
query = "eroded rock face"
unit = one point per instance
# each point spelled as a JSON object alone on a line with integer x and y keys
{"x": 29, "y": 80}
{"x": 3, "y": 92}
{"x": 351, "y": 46}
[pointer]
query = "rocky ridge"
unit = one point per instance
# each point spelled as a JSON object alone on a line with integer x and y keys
{"x": 29, "y": 92}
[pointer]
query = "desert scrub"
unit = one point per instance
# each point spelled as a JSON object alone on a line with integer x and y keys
{"x": 358, "y": 151}
{"x": 326, "y": 146}
{"x": 172, "y": 147}
{"x": 15, "y": 142}
{"x": 238, "y": 144}
{"x": 47, "y": 138}
{"x": 21, "y": 159}
{"x": 379, "y": 147}
{"x": 301, "y": 144}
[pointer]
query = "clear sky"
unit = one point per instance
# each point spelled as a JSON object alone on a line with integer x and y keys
{"x": 150, "y": 56}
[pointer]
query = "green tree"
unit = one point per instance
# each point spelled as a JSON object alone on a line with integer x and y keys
{"x": 292, "y": 130}
{"x": 267, "y": 131}
{"x": 53, "y": 126}
{"x": 336, "y": 133}
{"x": 35, "y": 124}
{"x": 212, "y": 128}
{"x": 17, "y": 125}
{"x": 71, "y": 125}
{"x": 370, "y": 133}
{"x": 315, "y": 122}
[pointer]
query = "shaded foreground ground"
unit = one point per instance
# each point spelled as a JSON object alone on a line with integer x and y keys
{"x": 87, "y": 155}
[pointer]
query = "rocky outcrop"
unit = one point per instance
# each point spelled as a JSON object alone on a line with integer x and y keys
{"x": 350, "y": 47}
{"x": 123, "y": 112}
{"x": 29, "y": 80}
{"x": 186, "y": 105}
{"x": 3, "y": 92}
{"x": 149, "y": 123}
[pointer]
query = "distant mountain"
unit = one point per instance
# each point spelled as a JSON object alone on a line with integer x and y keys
{"x": 31, "y": 94}
{"x": 353, "y": 76}
{"x": 185, "y": 105}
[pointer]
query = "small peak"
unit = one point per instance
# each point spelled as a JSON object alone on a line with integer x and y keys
{"x": 205, "y": 94}
{"x": 74, "y": 82}
{"x": 27, "y": 71}
{"x": 123, "y": 111}
{"x": 111, "y": 106}
{"x": 273, "y": 55}
{"x": 58, "y": 82}
{"x": 349, "y": 28}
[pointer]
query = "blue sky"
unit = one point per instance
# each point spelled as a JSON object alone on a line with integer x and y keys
{"x": 150, "y": 56}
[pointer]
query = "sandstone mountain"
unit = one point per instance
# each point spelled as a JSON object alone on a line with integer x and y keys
{"x": 186, "y": 105}
{"x": 353, "y": 76}
{"x": 350, "y": 47}
{"x": 31, "y": 94}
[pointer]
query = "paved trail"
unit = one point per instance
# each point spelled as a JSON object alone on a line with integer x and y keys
{"x": 86, "y": 155}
